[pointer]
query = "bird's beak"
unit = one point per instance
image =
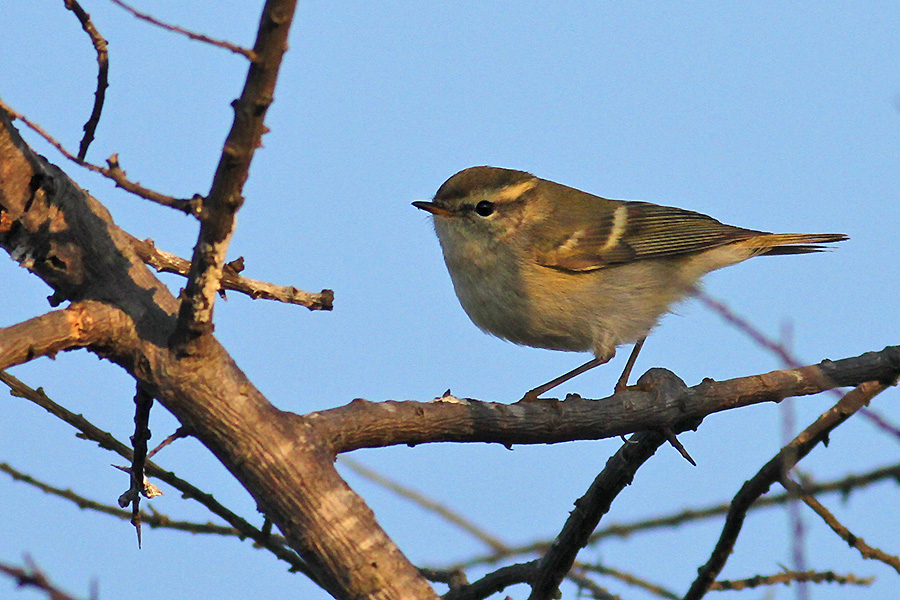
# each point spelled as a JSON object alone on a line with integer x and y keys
{"x": 438, "y": 211}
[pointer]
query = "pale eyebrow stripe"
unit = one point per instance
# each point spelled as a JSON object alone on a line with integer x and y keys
{"x": 511, "y": 192}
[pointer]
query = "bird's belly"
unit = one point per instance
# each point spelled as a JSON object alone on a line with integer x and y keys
{"x": 572, "y": 311}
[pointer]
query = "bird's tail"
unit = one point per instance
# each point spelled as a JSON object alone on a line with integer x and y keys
{"x": 791, "y": 243}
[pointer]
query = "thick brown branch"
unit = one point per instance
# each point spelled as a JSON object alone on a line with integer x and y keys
{"x": 82, "y": 324}
{"x": 69, "y": 240}
{"x": 224, "y": 198}
{"x": 364, "y": 424}
{"x": 760, "y": 483}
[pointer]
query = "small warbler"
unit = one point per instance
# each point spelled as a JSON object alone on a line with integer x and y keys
{"x": 545, "y": 265}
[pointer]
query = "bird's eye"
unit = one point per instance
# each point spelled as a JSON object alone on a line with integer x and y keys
{"x": 484, "y": 208}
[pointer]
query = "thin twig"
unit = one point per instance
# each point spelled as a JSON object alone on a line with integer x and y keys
{"x": 782, "y": 352}
{"x": 166, "y": 262}
{"x": 152, "y": 519}
{"x": 854, "y": 541}
{"x": 426, "y": 503}
{"x": 114, "y": 172}
{"x": 245, "y": 52}
{"x": 597, "y": 591}
{"x": 630, "y": 579}
{"x": 843, "y": 486}
{"x": 181, "y": 432}
{"x": 100, "y": 46}
{"x": 34, "y": 577}
{"x": 789, "y": 577}
{"x": 759, "y": 484}
{"x": 796, "y": 524}
{"x": 107, "y": 441}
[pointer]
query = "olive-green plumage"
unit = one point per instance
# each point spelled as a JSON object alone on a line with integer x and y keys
{"x": 550, "y": 266}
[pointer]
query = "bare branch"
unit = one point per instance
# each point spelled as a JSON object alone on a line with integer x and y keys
{"x": 143, "y": 402}
{"x": 107, "y": 441}
{"x": 843, "y": 486}
{"x": 364, "y": 424}
{"x": 584, "y": 582}
{"x": 494, "y": 582}
{"x": 781, "y": 351}
{"x": 34, "y": 577}
{"x": 100, "y": 47}
{"x": 854, "y": 541}
{"x": 167, "y": 262}
{"x": 789, "y": 577}
{"x": 630, "y": 579}
{"x": 245, "y": 52}
{"x": 80, "y": 325}
{"x": 181, "y": 432}
{"x": 114, "y": 172}
{"x": 759, "y": 484}
{"x": 151, "y": 519}
{"x": 347, "y": 553}
{"x": 224, "y": 198}
{"x": 427, "y": 503}
{"x": 589, "y": 509}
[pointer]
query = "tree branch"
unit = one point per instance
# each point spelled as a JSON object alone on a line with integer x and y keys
{"x": 854, "y": 541}
{"x": 590, "y": 508}
{"x": 34, "y": 577}
{"x": 151, "y": 519}
{"x": 246, "y": 53}
{"x": 107, "y": 441}
{"x": 82, "y": 324}
{"x": 114, "y": 172}
{"x": 224, "y": 198}
{"x": 759, "y": 484}
{"x": 166, "y": 262}
{"x": 69, "y": 240}
{"x": 790, "y": 577}
{"x": 425, "y": 503}
{"x": 100, "y": 47}
{"x": 844, "y": 486}
{"x": 364, "y": 424}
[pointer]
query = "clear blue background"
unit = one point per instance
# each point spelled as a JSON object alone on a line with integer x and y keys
{"x": 776, "y": 116}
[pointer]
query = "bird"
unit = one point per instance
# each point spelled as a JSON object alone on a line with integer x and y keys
{"x": 546, "y": 265}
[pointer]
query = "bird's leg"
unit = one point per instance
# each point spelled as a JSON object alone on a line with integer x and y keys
{"x": 622, "y": 384}
{"x": 594, "y": 362}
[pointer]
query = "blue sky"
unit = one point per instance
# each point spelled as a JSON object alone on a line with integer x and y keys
{"x": 774, "y": 116}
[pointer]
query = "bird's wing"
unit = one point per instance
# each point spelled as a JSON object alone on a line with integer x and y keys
{"x": 633, "y": 231}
